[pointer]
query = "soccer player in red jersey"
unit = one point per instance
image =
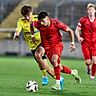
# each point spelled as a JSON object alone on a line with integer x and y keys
{"x": 51, "y": 40}
{"x": 86, "y": 34}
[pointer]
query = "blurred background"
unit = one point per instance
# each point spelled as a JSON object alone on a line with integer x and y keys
{"x": 67, "y": 11}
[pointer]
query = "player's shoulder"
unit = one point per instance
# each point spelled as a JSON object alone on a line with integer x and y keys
{"x": 83, "y": 18}
{"x": 21, "y": 19}
{"x": 34, "y": 17}
{"x": 54, "y": 21}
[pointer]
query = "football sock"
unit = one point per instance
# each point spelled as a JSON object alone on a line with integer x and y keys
{"x": 66, "y": 70}
{"x": 57, "y": 72}
{"x": 58, "y": 82}
{"x": 93, "y": 69}
{"x": 44, "y": 72}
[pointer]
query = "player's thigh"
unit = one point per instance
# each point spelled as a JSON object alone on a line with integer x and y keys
{"x": 86, "y": 52}
{"x": 40, "y": 50}
{"x": 40, "y": 53}
{"x": 56, "y": 54}
{"x": 33, "y": 53}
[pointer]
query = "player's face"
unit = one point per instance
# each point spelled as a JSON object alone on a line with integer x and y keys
{"x": 45, "y": 21}
{"x": 29, "y": 16}
{"x": 91, "y": 11}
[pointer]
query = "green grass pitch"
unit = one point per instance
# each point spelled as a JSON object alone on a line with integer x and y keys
{"x": 16, "y": 71}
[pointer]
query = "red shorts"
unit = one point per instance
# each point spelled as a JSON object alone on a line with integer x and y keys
{"x": 57, "y": 49}
{"x": 88, "y": 51}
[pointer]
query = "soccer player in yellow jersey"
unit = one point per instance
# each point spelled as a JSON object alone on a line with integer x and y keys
{"x": 23, "y": 25}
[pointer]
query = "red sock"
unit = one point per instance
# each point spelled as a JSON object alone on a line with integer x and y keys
{"x": 57, "y": 72}
{"x": 66, "y": 70}
{"x": 93, "y": 69}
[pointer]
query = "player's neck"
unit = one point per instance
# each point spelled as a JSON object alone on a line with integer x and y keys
{"x": 91, "y": 18}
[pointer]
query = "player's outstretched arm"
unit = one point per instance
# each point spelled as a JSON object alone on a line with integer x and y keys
{"x": 72, "y": 45}
{"x": 32, "y": 32}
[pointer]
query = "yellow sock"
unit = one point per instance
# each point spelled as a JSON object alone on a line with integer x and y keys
{"x": 54, "y": 77}
{"x": 44, "y": 72}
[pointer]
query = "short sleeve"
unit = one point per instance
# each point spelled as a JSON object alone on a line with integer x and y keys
{"x": 61, "y": 25}
{"x": 19, "y": 26}
{"x": 80, "y": 23}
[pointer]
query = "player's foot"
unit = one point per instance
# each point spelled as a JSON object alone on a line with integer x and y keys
{"x": 92, "y": 78}
{"x": 61, "y": 82}
{"x": 88, "y": 70}
{"x": 56, "y": 87}
{"x": 77, "y": 77}
{"x": 45, "y": 80}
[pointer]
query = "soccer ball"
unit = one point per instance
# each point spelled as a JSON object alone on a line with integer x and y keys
{"x": 32, "y": 86}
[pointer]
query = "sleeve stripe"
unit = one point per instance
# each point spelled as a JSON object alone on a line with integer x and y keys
{"x": 79, "y": 24}
{"x": 79, "y": 27}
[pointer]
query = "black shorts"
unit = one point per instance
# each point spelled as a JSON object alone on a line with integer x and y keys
{"x": 33, "y": 53}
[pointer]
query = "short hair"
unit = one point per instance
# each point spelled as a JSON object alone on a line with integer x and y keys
{"x": 91, "y": 5}
{"x": 42, "y": 15}
{"x": 26, "y": 9}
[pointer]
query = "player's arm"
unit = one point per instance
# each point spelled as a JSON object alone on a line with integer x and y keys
{"x": 77, "y": 32}
{"x": 32, "y": 26}
{"x": 71, "y": 33}
{"x": 65, "y": 28}
{"x": 17, "y": 31}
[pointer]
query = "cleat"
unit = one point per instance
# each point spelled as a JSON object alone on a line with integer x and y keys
{"x": 88, "y": 70}
{"x": 77, "y": 77}
{"x": 61, "y": 82}
{"x": 92, "y": 78}
{"x": 45, "y": 80}
{"x": 56, "y": 87}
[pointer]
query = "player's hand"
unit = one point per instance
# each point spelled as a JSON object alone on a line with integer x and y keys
{"x": 34, "y": 40}
{"x": 80, "y": 39}
{"x": 16, "y": 37}
{"x": 72, "y": 47}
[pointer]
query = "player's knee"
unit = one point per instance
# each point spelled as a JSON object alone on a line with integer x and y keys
{"x": 88, "y": 62}
{"x": 94, "y": 61}
{"x": 54, "y": 63}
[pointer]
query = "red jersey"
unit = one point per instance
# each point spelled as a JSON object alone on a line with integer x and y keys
{"x": 50, "y": 36}
{"x": 88, "y": 29}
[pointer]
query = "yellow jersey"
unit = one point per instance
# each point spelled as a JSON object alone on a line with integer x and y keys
{"x": 24, "y": 26}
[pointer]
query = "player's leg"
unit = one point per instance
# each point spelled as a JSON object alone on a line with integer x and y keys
{"x": 54, "y": 62}
{"x": 87, "y": 56}
{"x": 73, "y": 72}
{"x": 42, "y": 68}
{"x": 93, "y": 68}
{"x": 49, "y": 70}
{"x": 64, "y": 69}
{"x": 42, "y": 61}
{"x": 88, "y": 63}
{"x": 54, "y": 56}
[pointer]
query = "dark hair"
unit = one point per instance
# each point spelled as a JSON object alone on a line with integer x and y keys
{"x": 26, "y": 9}
{"x": 42, "y": 15}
